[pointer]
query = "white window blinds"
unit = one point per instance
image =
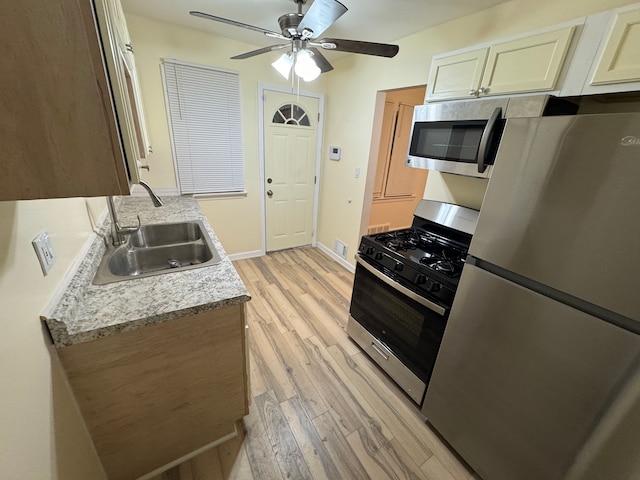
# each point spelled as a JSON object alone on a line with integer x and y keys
{"x": 203, "y": 106}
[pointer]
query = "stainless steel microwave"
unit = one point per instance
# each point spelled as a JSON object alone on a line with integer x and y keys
{"x": 463, "y": 137}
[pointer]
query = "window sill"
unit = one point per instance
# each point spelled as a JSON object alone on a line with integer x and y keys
{"x": 219, "y": 196}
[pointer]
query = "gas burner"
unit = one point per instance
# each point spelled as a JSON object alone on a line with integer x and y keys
{"x": 427, "y": 259}
{"x": 444, "y": 266}
{"x": 395, "y": 244}
{"x": 427, "y": 238}
{"x": 399, "y": 240}
{"x": 433, "y": 252}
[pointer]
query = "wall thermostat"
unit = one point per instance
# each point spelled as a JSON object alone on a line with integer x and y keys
{"x": 334, "y": 153}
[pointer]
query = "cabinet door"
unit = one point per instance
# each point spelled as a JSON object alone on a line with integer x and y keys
{"x": 58, "y": 129}
{"x": 527, "y": 64}
{"x": 400, "y": 179}
{"x": 386, "y": 140}
{"x": 129, "y": 82}
{"x": 134, "y": 95}
{"x": 456, "y": 76}
{"x": 158, "y": 393}
{"x": 620, "y": 60}
{"x": 118, "y": 23}
{"x": 124, "y": 83}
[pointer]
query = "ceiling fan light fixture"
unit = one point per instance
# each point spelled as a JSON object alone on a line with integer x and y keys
{"x": 305, "y": 66}
{"x": 283, "y": 65}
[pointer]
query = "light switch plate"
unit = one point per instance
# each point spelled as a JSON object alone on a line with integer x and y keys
{"x": 44, "y": 250}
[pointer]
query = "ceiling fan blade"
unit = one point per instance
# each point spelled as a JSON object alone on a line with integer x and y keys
{"x": 355, "y": 46}
{"x": 207, "y": 16}
{"x": 320, "y": 16}
{"x": 259, "y": 51}
{"x": 321, "y": 61}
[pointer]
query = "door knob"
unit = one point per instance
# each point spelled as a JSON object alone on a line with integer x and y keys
{"x": 269, "y": 193}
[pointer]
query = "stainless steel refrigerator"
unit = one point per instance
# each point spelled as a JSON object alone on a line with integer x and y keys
{"x": 538, "y": 372}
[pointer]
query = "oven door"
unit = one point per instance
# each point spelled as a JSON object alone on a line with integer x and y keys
{"x": 399, "y": 329}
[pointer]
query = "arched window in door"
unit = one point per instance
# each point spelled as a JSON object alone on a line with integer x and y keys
{"x": 291, "y": 114}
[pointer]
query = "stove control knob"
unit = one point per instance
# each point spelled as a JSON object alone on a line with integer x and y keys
{"x": 379, "y": 256}
{"x": 398, "y": 267}
{"x": 420, "y": 279}
{"x": 434, "y": 287}
{"x": 369, "y": 251}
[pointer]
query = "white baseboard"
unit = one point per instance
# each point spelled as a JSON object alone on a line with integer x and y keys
{"x": 243, "y": 255}
{"x": 320, "y": 246}
{"x": 336, "y": 257}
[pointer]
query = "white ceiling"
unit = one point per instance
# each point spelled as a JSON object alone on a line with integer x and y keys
{"x": 371, "y": 20}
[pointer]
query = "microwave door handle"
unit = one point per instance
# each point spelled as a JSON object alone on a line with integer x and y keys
{"x": 484, "y": 140}
{"x": 402, "y": 289}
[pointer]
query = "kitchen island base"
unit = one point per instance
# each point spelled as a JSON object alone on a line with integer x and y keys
{"x": 154, "y": 395}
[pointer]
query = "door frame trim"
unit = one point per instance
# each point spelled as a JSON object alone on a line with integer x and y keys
{"x": 262, "y": 87}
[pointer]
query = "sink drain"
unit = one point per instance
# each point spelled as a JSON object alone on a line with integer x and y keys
{"x": 175, "y": 263}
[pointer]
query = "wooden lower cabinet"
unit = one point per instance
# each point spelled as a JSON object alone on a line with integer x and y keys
{"x": 156, "y": 394}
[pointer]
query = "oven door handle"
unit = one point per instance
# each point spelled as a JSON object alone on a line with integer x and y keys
{"x": 401, "y": 288}
{"x": 484, "y": 140}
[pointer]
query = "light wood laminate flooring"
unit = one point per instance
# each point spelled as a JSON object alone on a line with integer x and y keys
{"x": 320, "y": 408}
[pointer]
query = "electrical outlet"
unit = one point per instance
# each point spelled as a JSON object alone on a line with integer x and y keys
{"x": 44, "y": 250}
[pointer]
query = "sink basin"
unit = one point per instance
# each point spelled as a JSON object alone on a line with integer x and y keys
{"x": 158, "y": 249}
{"x": 126, "y": 261}
{"x": 158, "y": 234}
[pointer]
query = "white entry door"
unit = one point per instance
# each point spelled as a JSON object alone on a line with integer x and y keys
{"x": 290, "y": 140}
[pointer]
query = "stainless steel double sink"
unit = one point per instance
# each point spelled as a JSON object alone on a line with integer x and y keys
{"x": 157, "y": 249}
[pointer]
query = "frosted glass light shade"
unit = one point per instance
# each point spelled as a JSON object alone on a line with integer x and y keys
{"x": 306, "y": 67}
{"x": 283, "y": 65}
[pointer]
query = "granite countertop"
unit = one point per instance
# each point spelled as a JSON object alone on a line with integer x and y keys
{"x": 85, "y": 312}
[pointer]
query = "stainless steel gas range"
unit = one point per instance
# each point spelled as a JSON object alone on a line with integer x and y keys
{"x": 404, "y": 286}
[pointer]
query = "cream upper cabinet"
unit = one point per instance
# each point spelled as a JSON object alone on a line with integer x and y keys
{"x": 620, "y": 58}
{"x": 527, "y": 64}
{"x": 456, "y": 76}
{"x": 129, "y": 81}
{"x": 124, "y": 83}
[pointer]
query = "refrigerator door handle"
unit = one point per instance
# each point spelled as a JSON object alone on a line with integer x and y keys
{"x": 484, "y": 140}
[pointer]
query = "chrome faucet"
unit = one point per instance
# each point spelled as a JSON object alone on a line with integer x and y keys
{"x": 119, "y": 232}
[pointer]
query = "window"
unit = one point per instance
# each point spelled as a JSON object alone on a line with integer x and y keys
{"x": 203, "y": 106}
{"x": 291, "y": 114}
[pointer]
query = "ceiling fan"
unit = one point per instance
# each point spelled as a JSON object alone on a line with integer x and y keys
{"x": 301, "y": 32}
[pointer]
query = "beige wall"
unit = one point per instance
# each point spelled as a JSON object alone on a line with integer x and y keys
{"x": 42, "y": 435}
{"x": 350, "y": 100}
{"x": 351, "y": 93}
{"x": 235, "y": 221}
